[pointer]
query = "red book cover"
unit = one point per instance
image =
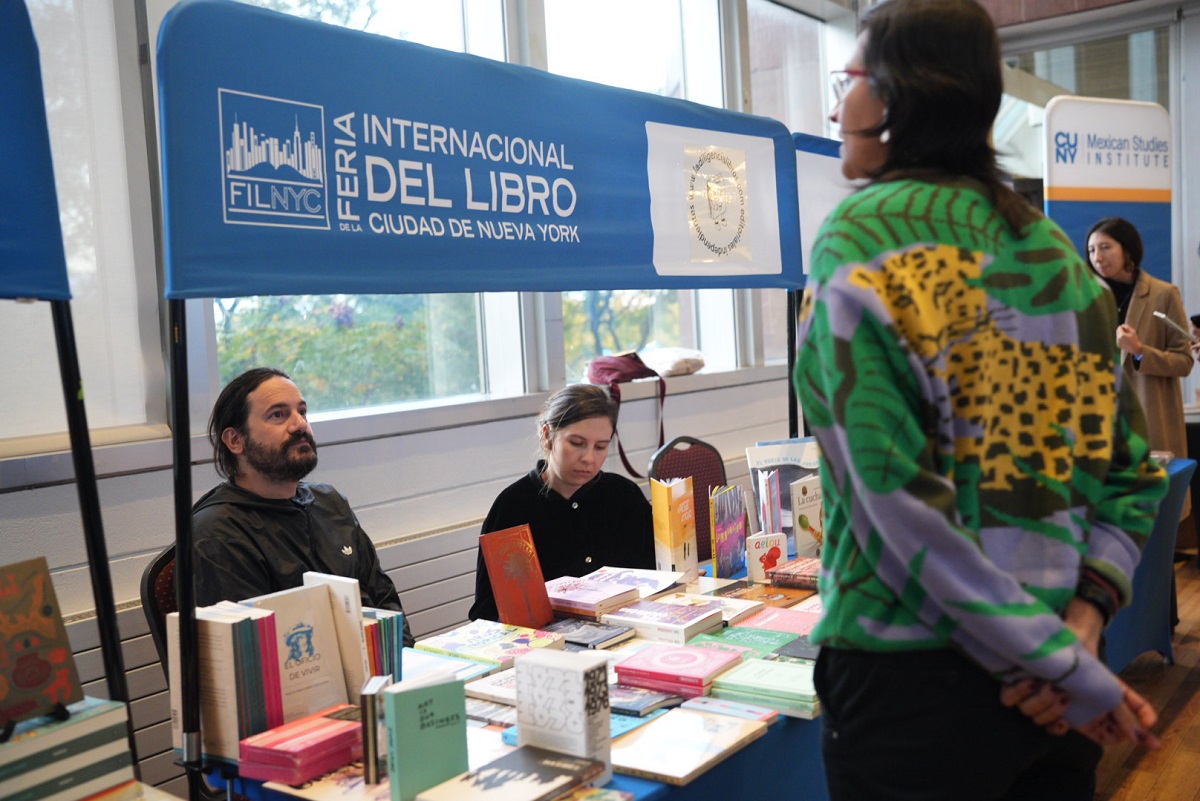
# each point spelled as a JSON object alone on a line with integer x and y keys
{"x": 685, "y": 664}
{"x": 304, "y": 748}
{"x": 673, "y": 687}
{"x": 793, "y": 621}
{"x": 37, "y": 666}
{"x": 268, "y": 642}
{"x": 516, "y": 577}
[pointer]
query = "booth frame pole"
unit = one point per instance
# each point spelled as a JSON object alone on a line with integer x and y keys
{"x": 89, "y": 510}
{"x": 793, "y": 315}
{"x": 185, "y": 593}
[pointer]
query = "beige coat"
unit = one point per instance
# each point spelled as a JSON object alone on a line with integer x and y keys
{"x": 1166, "y": 359}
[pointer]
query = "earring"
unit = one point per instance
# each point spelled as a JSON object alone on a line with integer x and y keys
{"x": 885, "y": 136}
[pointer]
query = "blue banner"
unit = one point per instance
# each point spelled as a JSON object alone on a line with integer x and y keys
{"x": 299, "y": 157}
{"x": 32, "y": 260}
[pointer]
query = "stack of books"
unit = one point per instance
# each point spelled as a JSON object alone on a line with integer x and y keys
{"x": 492, "y": 642}
{"x": 383, "y": 631}
{"x": 625, "y": 699}
{"x": 588, "y": 599}
{"x": 418, "y": 662}
{"x": 801, "y": 572}
{"x": 785, "y": 686}
{"x": 305, "y": 748}
{"x": 654, "y": 620}
{"x": 85, "y": 755}
{"x": 680, "y": 669}
{"x": 733, "y": 610}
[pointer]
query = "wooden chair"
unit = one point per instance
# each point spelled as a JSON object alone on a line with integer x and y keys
{"x": 687, "y": 456}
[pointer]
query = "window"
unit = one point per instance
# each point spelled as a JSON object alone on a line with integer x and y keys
{"x": 350, "y": 351}
{"x": 94, "y": 166}
{"x": 1126, "y": 67}
{"x": 673, "y": 50}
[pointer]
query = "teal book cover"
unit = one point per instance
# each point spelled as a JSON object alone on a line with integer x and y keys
{"x": 426, "y": 721}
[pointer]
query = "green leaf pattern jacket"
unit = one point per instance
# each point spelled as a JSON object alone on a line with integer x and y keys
{"x": 978, "y": 446}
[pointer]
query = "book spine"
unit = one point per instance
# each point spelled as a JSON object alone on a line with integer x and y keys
{"x": 369, "y": 708}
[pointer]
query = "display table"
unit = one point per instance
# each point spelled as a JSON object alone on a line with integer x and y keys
{"x": 1145, "y": 625}
{"x": 783, "y": 763}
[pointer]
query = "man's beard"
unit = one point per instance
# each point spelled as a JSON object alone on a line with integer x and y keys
{"x": 281, "y": 465}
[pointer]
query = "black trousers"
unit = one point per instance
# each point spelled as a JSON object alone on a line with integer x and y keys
{"x": 926, "y": 725}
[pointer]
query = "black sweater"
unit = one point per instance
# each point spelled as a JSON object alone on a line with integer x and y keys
{"x": 606, "y": 522}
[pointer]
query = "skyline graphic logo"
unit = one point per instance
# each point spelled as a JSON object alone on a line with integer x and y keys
{"x": 272, "y": 161}
{"x": 1066, "y": 147}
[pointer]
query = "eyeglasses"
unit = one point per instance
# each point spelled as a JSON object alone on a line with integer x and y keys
{"x": 840, "y": 80}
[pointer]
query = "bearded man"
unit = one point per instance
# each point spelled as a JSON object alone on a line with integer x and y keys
{"x": 261, "y": 529}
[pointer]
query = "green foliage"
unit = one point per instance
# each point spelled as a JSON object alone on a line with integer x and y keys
{"x": 347, "y": 351}
{"x": 597, "y": 322}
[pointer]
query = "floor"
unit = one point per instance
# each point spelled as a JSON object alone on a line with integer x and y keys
{"x": 1130, "y": 773}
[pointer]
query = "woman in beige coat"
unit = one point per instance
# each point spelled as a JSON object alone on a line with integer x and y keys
{"x": 1155, "y": 355}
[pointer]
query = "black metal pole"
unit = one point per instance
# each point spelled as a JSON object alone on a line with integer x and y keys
{"x": 89, "y": 510}
{"x": 793, "y": 315}
{"x": 185, "y": 594}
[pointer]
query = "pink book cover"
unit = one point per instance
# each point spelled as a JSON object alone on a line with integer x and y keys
{"x": 785, "y": 619}
{"x": 685, "y": 664}
{"x": 304, "y": 746}
{"x": 673, "y": 687}
{"x": 586, "y": 594}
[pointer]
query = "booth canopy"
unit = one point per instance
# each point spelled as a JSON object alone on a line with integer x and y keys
{"x": 32, "y": 260}
{"x": 300, "y": 157}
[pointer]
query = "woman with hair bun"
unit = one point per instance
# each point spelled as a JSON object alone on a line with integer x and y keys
{"x": 581, "y": 517}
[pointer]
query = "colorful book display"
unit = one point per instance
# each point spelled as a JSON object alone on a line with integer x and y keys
{"x": 426, "y": 719}
{"x": 727, "y": 520}
{"x": 37, "y": 666}
{"x": 345, "y": 603}
{"x": 626, "y": 699}
{"x": 588, "y": 599}
{"x": 770, "y": 507}
{"x": 516, "y": 576}
{"x": 305, "y": 748}
{"x": 562, "y": 704}
{"x": 674, "y": 526}
{"x": 790, "y": 460}
{"x": 489, "y": 641}
{"x": 383, "y": 630}
{"x": 655, "y": 620}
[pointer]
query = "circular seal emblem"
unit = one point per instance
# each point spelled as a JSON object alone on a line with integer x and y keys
{"x": 717, "y": 202}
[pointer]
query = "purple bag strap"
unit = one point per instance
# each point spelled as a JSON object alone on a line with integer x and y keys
{"x": 615, "y": 390}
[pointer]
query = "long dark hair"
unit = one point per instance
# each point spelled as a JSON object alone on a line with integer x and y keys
{"x": 231, "y": 410}
{"x": 935, "y": 64}
{"x": 1126, "y": 234}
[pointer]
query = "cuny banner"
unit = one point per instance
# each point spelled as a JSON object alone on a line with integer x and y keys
{"x": 32, "y": 260}
{"x": 299, "y": 157}
{"x": 1111, "y": 158}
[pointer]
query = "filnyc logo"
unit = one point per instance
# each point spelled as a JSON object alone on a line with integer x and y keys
{"x": 1066, "y": 147}
{"x": 273, "y": 161}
